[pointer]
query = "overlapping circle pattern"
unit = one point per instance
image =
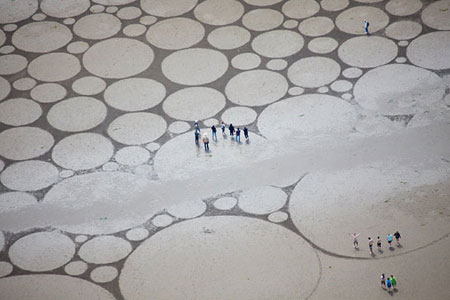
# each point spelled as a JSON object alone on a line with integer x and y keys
{"x": 191, "y": 60}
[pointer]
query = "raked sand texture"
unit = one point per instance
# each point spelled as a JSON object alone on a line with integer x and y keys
{"x": 105, "y": 195}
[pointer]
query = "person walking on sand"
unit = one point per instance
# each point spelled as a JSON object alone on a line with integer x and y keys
{"x": 238, "y": 135}
{"x": 397, "y": 237}
{"x": 389, "y": 283}
{"x": 245, "y": 133}
{"x": 197, "y": 128}
{"x": 378, "y": 243}
{"x": 393, "y": 281}
{"x": 383, "y": 281}
{"x": 214, "y": 132}
{"x": 366, "y": 27}
{"x": 370, "y": 245}
{"x": 197, "y": 137}
{"x": 355, "y": 240}
{"x": 206, "y": 142}
{"x": 223, "y": 128}
{"x": 231, "y": 129}
{"x": 389, "y": 239}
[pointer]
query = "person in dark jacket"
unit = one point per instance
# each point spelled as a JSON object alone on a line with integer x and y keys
{"x": 214, "y": 132}
{"x": 197, "y": 136}
{"x": 231, "y": 129}
{"x": 246, "y": 133}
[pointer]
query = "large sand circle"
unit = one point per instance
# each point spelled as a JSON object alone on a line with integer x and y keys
{"x": 104, "y": 250}
{"x": 403, "y": 30}
{"x": 334, "y": 5}
{"x": 352, "y": 20}
{"x": 89, "y": 85}
{"x": 398, "y": 89}
{"x": 316, "y": 26}
{"x": 48, "y": 92}
{"x": 437, "y": 15}
{"x": 175, "y": 33}
{"x": 239, "y": 115}
{"x": 97, "y": 26}
{"x": 118, "y": 58}
{"x": 196, "y": 103}
{"x": 65, "y": 8}
{"x": 377, "y": 202}
{"x": 315, "y": 71}
{"x": 19, "y": 111}
{"x": 194, "y": 66}
{"x": 29, "y": 175}
{"x": 311, "y": 115}
{"x": 24, "y": 143}
{"x": 277, "y": 43}
{"x": 42, "y": 251}
{"x": 87, "y": 199}
{"x": 135, "y": 94}
{"x": 16, "y": 11}
{"x": 367, "y": 51}
{"x": 256, "y": 87}
{"x": 82, "y": 151}
{"x": 41, "y": 37}
{"x": 403, "y": 7}
{"x": 246, "y": 61}
{"x": 262, "y": 19}
{"x": 168, "y": 8}
{"x": 430, "y": 50}
{"x": 229, "y": 37}
{"x": 279, "y": 257}
{"x": 12, "y": 64}
{"x": 300, "y": 9}
{"x": 137, "y": 128}
{"x": 63, "y": 66}
{"x": 219, "y": 12}
{"x": 77, "y": 114}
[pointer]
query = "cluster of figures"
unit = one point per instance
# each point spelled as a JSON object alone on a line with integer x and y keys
{"x": 389, "y": 282}
{"x": 231, "y": 128}
{"x": 371, "y": 241}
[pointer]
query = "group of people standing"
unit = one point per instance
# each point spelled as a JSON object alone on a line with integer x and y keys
{"x": 371, "y": 241}
{"x": 389, "y": 282}
{"x": 233, "y": 132}
{"x": 386, "y": 282}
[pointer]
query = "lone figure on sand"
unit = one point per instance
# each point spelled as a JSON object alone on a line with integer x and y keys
{"x": 355, "y": 240}
{"x": 366, "y": 27}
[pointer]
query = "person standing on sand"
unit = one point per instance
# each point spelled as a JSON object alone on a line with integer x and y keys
{"x": 197, "y": 128}
{"x": 388, "y": 283}
{"x": 197, "y": 137}
{"x": 393, "y": 281}
{"x": 389, "y": 239}
{"x": 223, "y": 128}
{"x": 366, "y": 27}
{"x": 383, "y": 280}
{"x": 246, "y": 133}
{"x": 206, "y": 142}
{"x": 370, "y": 245}
{"x": 238, "y": 135}
{"x": 355, "y": 240}
{"x": 397, "y": 237}
{"x": 214, "y": 132}
{"x": 231, "y": 129}
{"x": 378, "y": 243}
